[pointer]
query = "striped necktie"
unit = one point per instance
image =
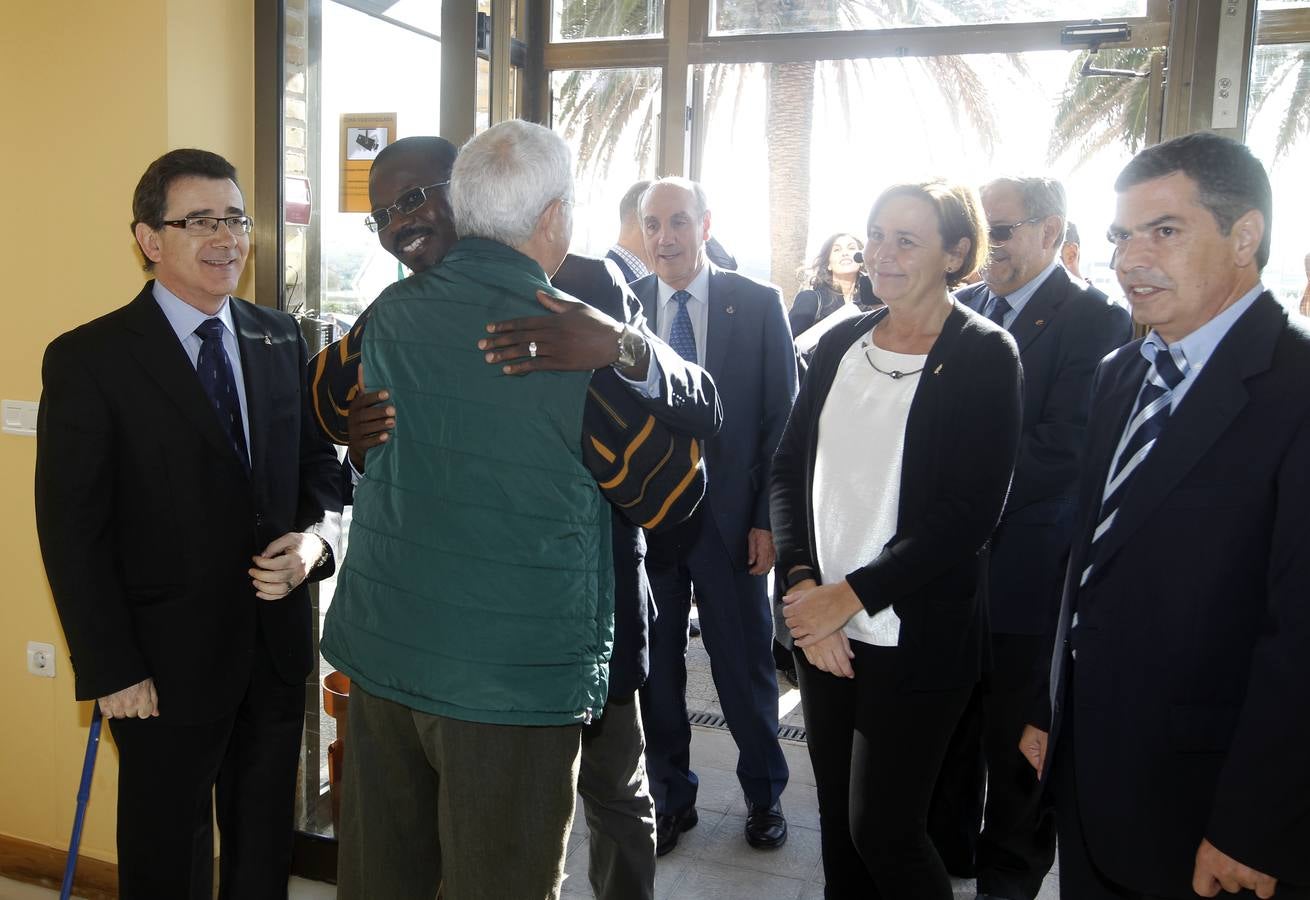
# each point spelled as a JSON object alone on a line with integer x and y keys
{"x": 682, "y": 337}
{"x": 1144, "y": 427}
{"x": 216, "y": 377}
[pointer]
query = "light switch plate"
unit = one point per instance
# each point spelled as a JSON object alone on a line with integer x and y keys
{"x": 19, "y": 416}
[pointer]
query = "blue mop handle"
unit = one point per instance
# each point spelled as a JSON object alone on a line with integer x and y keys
{"x": 83, "y": 795}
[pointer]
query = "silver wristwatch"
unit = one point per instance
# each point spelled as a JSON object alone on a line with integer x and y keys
{"x": 632, "y": 347}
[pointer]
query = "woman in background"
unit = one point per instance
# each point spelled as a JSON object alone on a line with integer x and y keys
{"x": 889, "y": 480}
{"x": 832, "y": 283}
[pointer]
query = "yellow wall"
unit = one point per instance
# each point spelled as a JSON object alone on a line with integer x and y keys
{"x": 92, "y": 93}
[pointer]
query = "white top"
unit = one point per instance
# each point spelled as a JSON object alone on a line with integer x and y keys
{"x": 857, "y": 471}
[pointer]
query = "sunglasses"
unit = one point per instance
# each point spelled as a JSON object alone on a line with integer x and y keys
{"x": 999, "y": 234}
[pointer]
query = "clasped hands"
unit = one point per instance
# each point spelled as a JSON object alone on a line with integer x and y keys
{"x": 285, "y": 564}
{"x": 815, "y": 614}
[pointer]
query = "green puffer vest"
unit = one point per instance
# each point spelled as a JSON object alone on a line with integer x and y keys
{"x": 479, "y": 579}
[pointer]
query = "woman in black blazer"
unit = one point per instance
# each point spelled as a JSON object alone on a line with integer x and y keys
{"x": 889, "y": 480}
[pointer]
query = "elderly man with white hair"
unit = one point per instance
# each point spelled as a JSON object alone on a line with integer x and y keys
{"x": 474, "y": 612}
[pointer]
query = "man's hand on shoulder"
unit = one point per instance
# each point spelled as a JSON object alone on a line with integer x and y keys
{"x": 285, "y": 564}
{"x": 369, "y": 422}
{"x": 136, "y": 702}
{"x": 1215, "y": 869}
{"x": 574, "y": 338}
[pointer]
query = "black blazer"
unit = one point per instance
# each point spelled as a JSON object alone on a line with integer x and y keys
{"x": 148, "y": 520}
{"x": 1191, "y": 684}
{"x": 688, "y": 403}
{"x": 1063, "y": 333}
{"x": 753, "y": 363}
{"x": 961, "y": 439}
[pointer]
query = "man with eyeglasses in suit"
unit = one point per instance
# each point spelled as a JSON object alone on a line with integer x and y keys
{"x": 183, "y": 500}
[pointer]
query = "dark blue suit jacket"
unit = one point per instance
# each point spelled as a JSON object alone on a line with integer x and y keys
{"x": 1191, "y": 685}
{"x": 749, "y": 355}
{"x": 1063, "y": 333}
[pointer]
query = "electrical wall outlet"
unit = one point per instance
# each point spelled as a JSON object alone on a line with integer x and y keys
{"x": 41, "y": 659}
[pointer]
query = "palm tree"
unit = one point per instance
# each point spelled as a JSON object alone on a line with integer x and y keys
{"x": 597, "y": 106}
{"x": 1097, "y": 112}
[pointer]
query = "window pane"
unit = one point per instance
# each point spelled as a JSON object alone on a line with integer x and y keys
{"x": 876, "y": 122}
{"x": 580, "y": 20}
{"x": 753, "y": 17}
{"x": 610, "y": 119}
{"x": 1278, "y": 132}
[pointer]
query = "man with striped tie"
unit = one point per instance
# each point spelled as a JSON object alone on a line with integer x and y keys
{"x": 1180, "y": 681}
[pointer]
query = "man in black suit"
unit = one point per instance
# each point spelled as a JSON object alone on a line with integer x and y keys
{"x": 737, "y": 328}
{"x": 569, "y": 336}
{"x": 1063, "y": 331}
{"x": 183, "y": 499}
{"x": 1180, "y": 679}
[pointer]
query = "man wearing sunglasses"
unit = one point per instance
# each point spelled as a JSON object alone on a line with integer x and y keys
{"x": 183, "y": 499}
{"x": 1063, "y": 329}
{"x": 409, "y": 185}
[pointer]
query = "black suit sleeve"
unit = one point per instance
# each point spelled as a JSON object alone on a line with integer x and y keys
{"x": 1051, "y": 451}
{"x": 75, "y": 497}
{"x": 778, "y": 384}
{"x": 1261, "y": 803}
{"x": 788, "y": 504}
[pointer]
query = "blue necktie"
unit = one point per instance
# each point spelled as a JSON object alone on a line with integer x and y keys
{"x": 215, "y": 371}
{"x": 1144, "y": 426}
{"x": 999, "y": 309}
{"x": 681, "y": 336}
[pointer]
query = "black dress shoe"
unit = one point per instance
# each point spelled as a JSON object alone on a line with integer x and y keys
{"x": 766, "y": 829}
{"x": 669, "y": 826}
{"x": 693, "y": 628}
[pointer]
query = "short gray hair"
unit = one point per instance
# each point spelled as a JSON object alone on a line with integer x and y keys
{"x": 697, "y": 192}
{"x": 1042, "y": 197}
{"x": 505, "y": 177}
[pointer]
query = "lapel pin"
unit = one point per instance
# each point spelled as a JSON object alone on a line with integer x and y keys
{"x": 1040, "y": 322}
{"x": 938, "y": 370}
{"x": 268, "y": 340}
{"x": 730, "y": 310}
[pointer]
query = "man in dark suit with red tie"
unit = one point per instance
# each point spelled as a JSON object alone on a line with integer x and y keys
{"x": 183, "y": 499}
{"x": 1180, "y": 680}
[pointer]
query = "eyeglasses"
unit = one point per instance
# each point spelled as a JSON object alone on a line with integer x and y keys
{"x": 204, "y": 226}
{"x": 999, "y": 234}
{"x": 405, "y": 204}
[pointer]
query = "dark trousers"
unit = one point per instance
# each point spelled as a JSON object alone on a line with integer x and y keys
{"x": 737, "y": 627}
{"x": 169, "y": 775}
{"x": 876, "y": 751}
{"x": 617, "y": 803}
{"x": 427, "y": 801}
{"x": 1015, "y": 847}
